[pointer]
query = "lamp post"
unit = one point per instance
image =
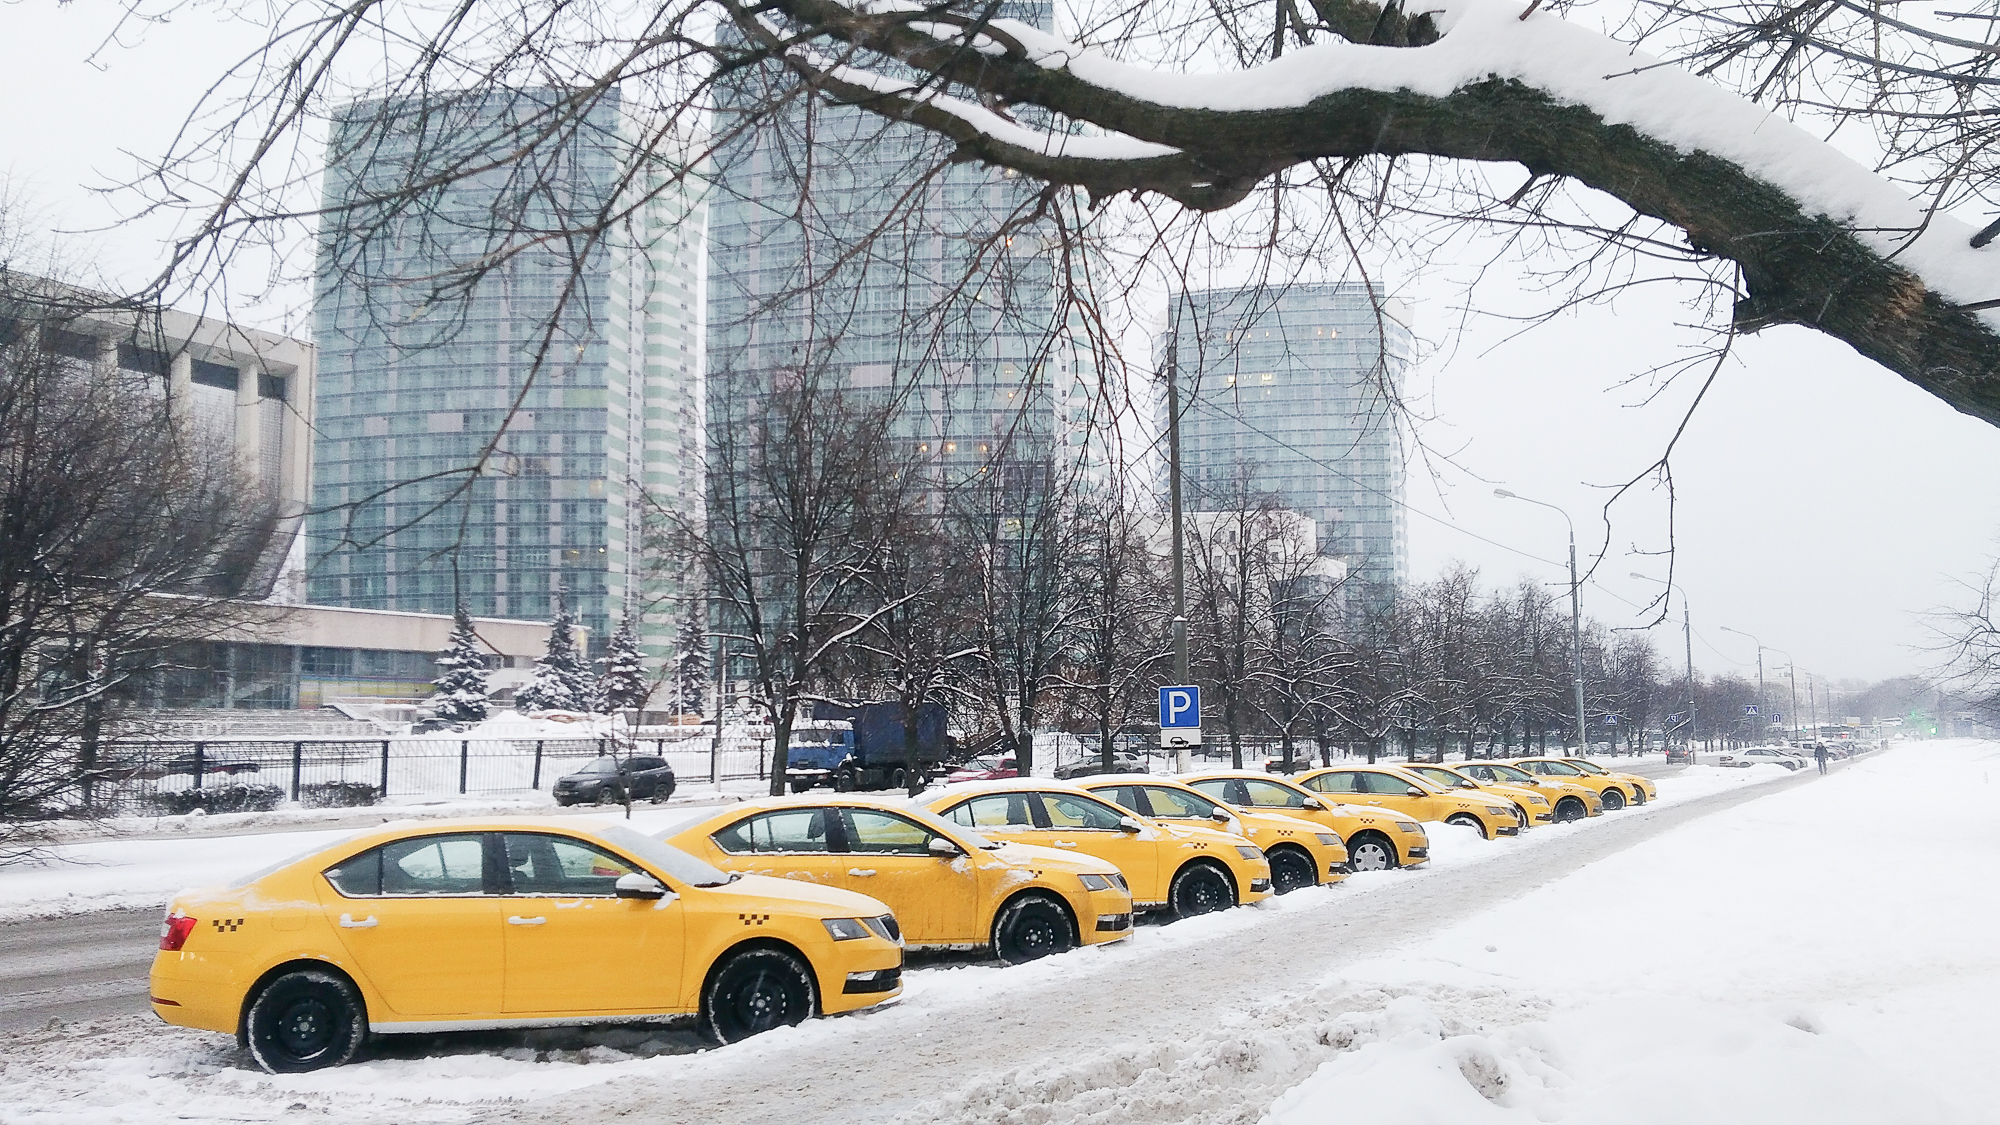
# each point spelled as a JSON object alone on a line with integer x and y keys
{"x": 1791, "y": 674}
{"x": 1762, "y": 722}
{"x": 1575, "y": 616}
{"x": 1181, "y": 764}
{"x": 1687, "y": 641}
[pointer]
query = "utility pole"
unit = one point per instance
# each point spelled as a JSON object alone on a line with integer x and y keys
{"x": 1575, "y": 615}
{"x": 1687, "y": 638}
{"x": 1181, "y": 764}
{"x": 1763, "y": 723}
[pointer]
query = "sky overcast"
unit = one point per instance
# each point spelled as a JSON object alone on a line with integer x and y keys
{"x": 1823, "y": 503}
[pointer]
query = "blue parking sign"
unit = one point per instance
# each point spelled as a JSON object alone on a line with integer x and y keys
{"x": 1180, "y": 707}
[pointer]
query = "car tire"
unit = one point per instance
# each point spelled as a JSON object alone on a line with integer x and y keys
{"x": 1570, "y": 808}
{"x": 1200, "y": 888}
{"x": 1638, "y": 794}
{"x": 800, "y": 785}
{"x": 843, "y": 781}
{"x": 1370, "y": 851}
{"x": 1032, "y": 927}
{"x": 754, "y": 991}
{"x": 564, "y": 802}
{"x": 1467, "y": 820}
{"x": 899, "y": 778}
{"x": 305, "y": 1020}
{"x": 1291, "y": 870}
{"x": 1613, "y": 797}
{"x": 1522, "y": 819}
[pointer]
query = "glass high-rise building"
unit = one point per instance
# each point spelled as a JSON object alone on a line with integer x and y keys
{"x": 1293, "y": 391}
{"x": 475, "y": 326}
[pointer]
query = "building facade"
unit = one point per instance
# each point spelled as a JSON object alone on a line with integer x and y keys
{"x": 510, "y": 364}
{"x": 1294, "y": 392}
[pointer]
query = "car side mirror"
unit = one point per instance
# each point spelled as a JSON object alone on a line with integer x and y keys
{"x": 638, "y": 884}
{"x": 1313, "y": 803}
{"x": 1221, "y": 816}
{"x": 1128, "y": 824}
{"x": 943, "y": 848}
{"x": 1413, "y": 791}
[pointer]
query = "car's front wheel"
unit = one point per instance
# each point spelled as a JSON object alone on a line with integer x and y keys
{"x": 303, "y": 1021}
{"x": 754, "y": 991}
{"x": 1570, "y": 808}
{"x": 1291, "y": 869}
{"x": 1467, "y": 820}
{"x": 1200, "y": 888}
{"x": 1638, "y": 794}
{"x": 1031, "y": 927}
{"x": 1614, "y": 799}
{"x": 1371, "y": 851}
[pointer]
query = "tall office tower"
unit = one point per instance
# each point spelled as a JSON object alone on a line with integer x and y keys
{"x": 843, "y": 258}
{"x": 1292, "y": 391}
{"x": 474, "y": 324}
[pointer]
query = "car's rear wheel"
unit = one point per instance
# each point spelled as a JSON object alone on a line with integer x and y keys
{"x": 899, "y": 778}
{"x": 1467, "y": 820}
{"x": 1614, "y": 798}
{"x": 754, "y": 991}
{"x": 1031, "y": 927}
{"x": 303, "y": 1021}
{"x": 1370, "y": 851}
{"x": 1291, "y": 869}
{"x": 1200, "y": 888}
{"x": 843, "y": 781}
{"x": 1570, "y": 808}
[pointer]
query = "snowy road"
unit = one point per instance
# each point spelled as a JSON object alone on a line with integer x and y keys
{"x": 83, "y": 967}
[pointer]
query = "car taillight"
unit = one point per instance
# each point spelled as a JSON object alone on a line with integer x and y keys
{"x": 174, "y": 932}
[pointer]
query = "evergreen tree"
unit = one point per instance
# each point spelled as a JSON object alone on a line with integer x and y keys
{"x": 691, "y": 666}
{"x": 560, "y": 682}
{"x": 623, "y": 684}
{"x": 461, "y": 689}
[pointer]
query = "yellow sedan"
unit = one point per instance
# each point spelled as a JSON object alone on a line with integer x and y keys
{"x": 1187, "y": 869}
{"x": 949, "y": 886}
{"x": 1572, "y": 800}
{"x": 1530, "y": 807}
{"x": 1376, "y": 839}
{"x": 512, "y": 923}
{"x": 1392, "y": 788}
{"x": 1609, "y": 790}
{"x": 1638, "y": 790}
{"x": 1302, "y": 854}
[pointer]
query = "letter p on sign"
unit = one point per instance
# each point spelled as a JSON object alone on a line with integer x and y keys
{"x": 1180, "y": 707}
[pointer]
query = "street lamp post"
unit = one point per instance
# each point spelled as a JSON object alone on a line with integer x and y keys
{"x": 1792, "y": 675}
{"x": 1575, "y": 616}
{"x": 1763, "y": 723}
{"x": 1687, "y": 641}
{"x": 1181, "y": 764}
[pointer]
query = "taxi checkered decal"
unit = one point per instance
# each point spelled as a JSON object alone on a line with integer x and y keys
{"x": 226, "y": 925}
{"x": 754, "y": 919}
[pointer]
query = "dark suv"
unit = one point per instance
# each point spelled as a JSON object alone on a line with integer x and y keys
{"x": 608, "y": 779}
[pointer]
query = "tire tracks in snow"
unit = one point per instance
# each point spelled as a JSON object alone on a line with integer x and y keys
{"x": 1206, "y": 1028}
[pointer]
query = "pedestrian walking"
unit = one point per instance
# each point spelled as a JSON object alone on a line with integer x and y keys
{"x": 1819, "y": 752}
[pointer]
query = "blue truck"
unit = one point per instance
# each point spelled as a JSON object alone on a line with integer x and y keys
{"x": 860, "y": 746}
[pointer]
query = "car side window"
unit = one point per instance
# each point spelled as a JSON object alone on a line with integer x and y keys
{"x": 1176, "y": 803}
{"x": 559, "y": 867}
{"x": 786, "y": 830}
{"x": 1265, "y": 795}
{"x": 1067, "y": 810}
{"x": 647, "y": 764}
{"x": 426, "y": 865}
{"x": 1559, "y": 769}
{"x": 994, "y": 812}
{"x": 1128, "y": 796}
{"x": 884, "y": 833}
{"x": 1478, "y": 773}
{"x": 1387, "y": 784}
{"x": 1222, "y": 789}
{"x": 1343, "y": 782}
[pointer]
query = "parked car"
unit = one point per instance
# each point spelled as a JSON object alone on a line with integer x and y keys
{"x": 609, "y": 779}
{"x": 1572, "y": 799}
{"x": 1301, "y": 853}
{"x": 185, "y": 763}
{"x": 948, "y": 885}
{"x": 399, "y": 929}
{"x": 1376, "y": 839}
{"x": 1530, "y": 807}
{"x": 1093, "y": 765}
{"x": 1762, "y": 756}
{"x": 1399, "y": 790}
{"x": 1614, "y": 791}
{"x": 984, "y": 769}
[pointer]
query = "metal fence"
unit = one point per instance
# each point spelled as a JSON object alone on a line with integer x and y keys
{"x": 168, "y": 776}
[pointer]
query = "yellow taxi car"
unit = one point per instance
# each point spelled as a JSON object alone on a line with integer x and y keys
{"x": 1571, "y": 800}
{"x": 1376, "y": 839}
{"x": 1183, "y": 868}
{"x": 1392, "y": 788}
{"x": 1610, "y": 790}
{"x": 1301, "y": 854}
{"x": 454, "y": 925}
{"x": 948, "y": 885}
{"x": 1530, "y": 807}
{"x": 1637, "y": 790}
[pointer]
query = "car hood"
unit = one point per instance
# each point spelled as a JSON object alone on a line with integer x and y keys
{"x": 812, "y": 899}
{"x": 1270, "y": 820}
{"x": 1195, "y": 832}
{"x": 1051, "y": 859}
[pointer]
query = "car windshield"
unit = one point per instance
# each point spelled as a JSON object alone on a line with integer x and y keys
{"x": 1588, "y": 767}
{"x": 942, "y": 827}
{"x": 1509, "y": 773}
{"x": 600, "y": 765}
{"x": 984, "y": 765}
{"x": 1447, "y": 778}
{"x": 675, "y": 862}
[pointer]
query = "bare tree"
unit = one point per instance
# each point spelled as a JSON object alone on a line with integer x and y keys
{"x": 1122, "y": 640}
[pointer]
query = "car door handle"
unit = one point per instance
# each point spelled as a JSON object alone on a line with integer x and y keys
{"x": 517, "y": 920}
{"x": 347, "y": 922}
{"x": 1063, "y": 843}
{"x": 863, "y": 872}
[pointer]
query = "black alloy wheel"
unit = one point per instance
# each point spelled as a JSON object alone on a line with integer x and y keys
{"x": 1291, "y": 869}
{"x": 1031, "y": 927}
{"x": 1200, "y": 888}
{"x": 303, "y": 1021}
{"x": 1570, "y": 808}
{"x": 1467, "y": 820}
{"x": 1370, "y": 851}
{"x": 755, "y": 991}
{"x": 1614, "y": 798}
{"x": 1638, "y": 794}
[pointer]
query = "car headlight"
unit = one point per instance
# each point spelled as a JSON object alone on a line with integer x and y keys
{"x": 845, "y": 929}
{"x": 885, "y": 927}
{"x": 1329, "y": 840}
{"x": 1491, "y": 811}
{"x": 1533, "y": 800}
{"x": 1410, "y": 826}
{"x": 1095, "y": 882}
{"x": 1248, "y": 852}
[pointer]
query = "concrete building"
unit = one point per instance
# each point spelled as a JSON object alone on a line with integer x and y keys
{"x": 473, "y": 326}
{"x": 1292, "y": 391}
